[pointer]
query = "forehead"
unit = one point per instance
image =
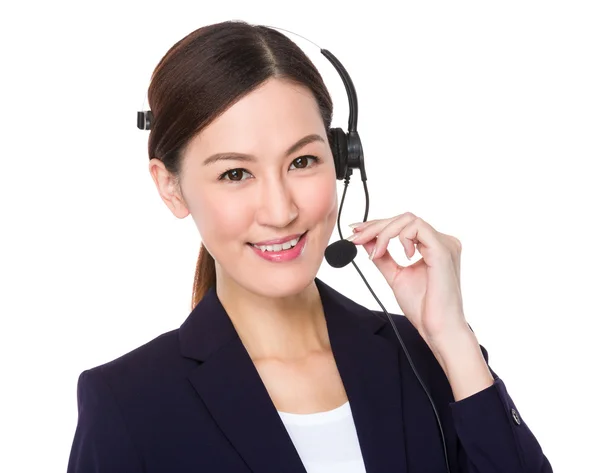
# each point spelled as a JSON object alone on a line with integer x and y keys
{"x": 267, "y": 120}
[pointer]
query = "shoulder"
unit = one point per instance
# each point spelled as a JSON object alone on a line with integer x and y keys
{"x": 142, "y": 369}
{"x": 142, "y": 357}
{"x": 122, "y": 399}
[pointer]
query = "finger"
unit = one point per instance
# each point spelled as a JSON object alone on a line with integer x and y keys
{"x": 385, "y": 263}
{"x": 391, "y": 230}
{"x": 428, "y": 241}
{"x": 374, "y": 228}
{"x": 360, "y": 227}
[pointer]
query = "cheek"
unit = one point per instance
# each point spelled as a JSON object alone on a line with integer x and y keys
{"x": 320, "y": 200}
{"x": 220, "y": 217}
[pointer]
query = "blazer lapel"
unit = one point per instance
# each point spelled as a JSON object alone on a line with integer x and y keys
{"x": 385, "y": 404}
{"x": 233, "y": 392}
{"x": 370, "y": 370}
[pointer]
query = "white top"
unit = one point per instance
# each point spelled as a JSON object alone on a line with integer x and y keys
{"x": 326, "y": 441}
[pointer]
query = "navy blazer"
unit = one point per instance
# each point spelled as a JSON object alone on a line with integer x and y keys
{"x": 191, "y": 400}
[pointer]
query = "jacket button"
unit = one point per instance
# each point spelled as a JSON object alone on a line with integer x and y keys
{"x": 516, "y": 417}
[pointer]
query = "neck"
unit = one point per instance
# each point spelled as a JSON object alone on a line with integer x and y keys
{"x": 286, "y": 329}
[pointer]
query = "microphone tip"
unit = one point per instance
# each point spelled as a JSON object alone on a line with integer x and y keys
{"x": 340, "y": 253}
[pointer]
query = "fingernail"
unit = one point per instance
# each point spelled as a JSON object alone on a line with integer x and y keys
{"x": 354, "y": 225}
{"x": 372, "y": 253}
{"x": 352, "y": 237}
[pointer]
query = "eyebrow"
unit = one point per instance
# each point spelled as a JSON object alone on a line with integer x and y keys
{"x": 231, "y": 156}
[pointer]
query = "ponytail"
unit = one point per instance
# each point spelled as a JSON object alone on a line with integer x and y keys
{"x": 205, "y": 276}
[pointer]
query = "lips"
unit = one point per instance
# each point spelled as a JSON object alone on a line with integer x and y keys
{"x": 282, "y": 256}
{"x": 278, "y": 241}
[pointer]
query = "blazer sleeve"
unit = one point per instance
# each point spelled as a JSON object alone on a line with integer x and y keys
{"x": 493, "y": 436}
{"x": 102, "y": 443}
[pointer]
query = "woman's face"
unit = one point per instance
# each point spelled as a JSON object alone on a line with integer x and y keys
{"x": 283, "y": 186}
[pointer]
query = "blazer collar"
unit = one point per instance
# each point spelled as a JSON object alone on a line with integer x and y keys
{"x": 233, "y": 392}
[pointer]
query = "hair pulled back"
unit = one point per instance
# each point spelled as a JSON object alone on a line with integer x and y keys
{"x": 205, "y": 73}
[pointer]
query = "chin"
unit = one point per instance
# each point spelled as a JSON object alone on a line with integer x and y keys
{"x": 279, "y": 284}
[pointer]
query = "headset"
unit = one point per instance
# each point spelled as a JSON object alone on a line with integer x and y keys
{"x": 347, "y": 151}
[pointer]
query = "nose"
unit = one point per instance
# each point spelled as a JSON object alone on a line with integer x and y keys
{"x": 277, "y": 207}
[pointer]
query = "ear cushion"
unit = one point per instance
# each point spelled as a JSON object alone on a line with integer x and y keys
{"x": 339, "y": 148}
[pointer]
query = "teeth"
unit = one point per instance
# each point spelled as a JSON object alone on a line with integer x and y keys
{"x": 284, "y": 246}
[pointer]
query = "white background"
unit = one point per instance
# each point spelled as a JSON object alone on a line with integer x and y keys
{"x": 483, "y": 119}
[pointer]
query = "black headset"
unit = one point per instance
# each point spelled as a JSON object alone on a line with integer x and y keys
{"x": 347, "y": 151}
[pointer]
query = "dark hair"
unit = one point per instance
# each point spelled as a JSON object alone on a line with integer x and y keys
{"x": 205, "y": 73}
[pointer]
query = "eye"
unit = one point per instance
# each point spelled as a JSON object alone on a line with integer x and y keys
{"x": 300, "y": 161}
{"x": 236, "y": 174}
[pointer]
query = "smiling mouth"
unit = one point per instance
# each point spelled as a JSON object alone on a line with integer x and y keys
{"x": 299, "y": 238}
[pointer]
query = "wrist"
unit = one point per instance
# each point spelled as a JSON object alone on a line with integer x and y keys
{"x": 445, "y": 344}
{"x": 460, "y": 356}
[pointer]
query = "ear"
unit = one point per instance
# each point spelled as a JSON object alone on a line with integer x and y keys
{"x": 168, "y": 188}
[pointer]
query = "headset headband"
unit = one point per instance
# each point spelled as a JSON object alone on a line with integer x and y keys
{"x": 145, "y": 117}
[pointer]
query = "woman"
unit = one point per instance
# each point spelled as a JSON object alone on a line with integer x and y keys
{"x": 273, "y": 370}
